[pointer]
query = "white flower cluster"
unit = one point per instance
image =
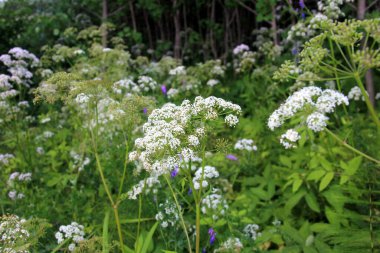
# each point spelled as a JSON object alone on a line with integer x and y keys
{"x": 214, "y": 204}
{"x": 212, "y": 82}
{"x": 74, "y": 232}
{"x": 144, "y": 84}
{"x": 232, "y": 245}
{"x": 168, "y": 216}
{"x": 331, "y": 8}
{"x": 79, "y": 161}
{"x": 245, "y": 144}
{"x": 146, "y": 184}
{"x": 252, "y": 231}
{"x": 316, "y": 101}
{"x": 316, "y": 20}
{"x": 289, "y": 138}
{"x": 300, "y": 31}
{"x": 201, "y": 176}
{"x": 355, "y": 94}
{"x": 171, "y": 131}
{"x": 18, "y": 60}
{"x": 218, "y": 70}
{"x": 240, "y": 49}
{"x": 180, "y": 70}
{"x": 12, "y": 233}
{"x": 172, "y": 92}
{"x": 20, "y": 176}
{"x": 13, "y": 195}
{"x": 5, "y": 158}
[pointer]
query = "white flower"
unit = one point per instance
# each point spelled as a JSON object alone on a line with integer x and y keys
{"x": 288, "y": 139}
{"x": 355, "y": 94}
{"x": 240, "y": 49}
{"x": 193, "y": 140}
{"x": 180, "y": 70}
{"x": 245, "y": 144}
{"x": 317, "y": 121}
{"x": 231, "y": 120}
{"x": 212, "y": 82}
{"x": 251, "y": 230}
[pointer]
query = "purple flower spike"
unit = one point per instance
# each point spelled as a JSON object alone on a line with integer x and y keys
{"x": 174, "y": 172}
{"x": 212, "y": 234}
{"x": 163, "y": 89}
{"x": 231, "y": 157}
{"x": 302, "y": 4}
{"x": 145, "y": 110}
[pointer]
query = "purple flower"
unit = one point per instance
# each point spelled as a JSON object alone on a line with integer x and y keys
{"x": 212, "y": 234}
{"x": 231, "y": 157}
{"x": 174, "y": 172}
{"x": 302, "y": 4}
{"x": 294, "y": 51}
{"x": 145, "y": 110}
{"x": 190, "y": 191}
{"x": 163, "y": 89}
{"x": 204, "y": 250}
{"x": 303, "y": 15}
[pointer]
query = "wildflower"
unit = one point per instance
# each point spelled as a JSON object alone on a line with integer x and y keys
{"x": 231, "y": 245}
{"x": 73, "y": 232}
{"x": 180, "y": 70}
{"x": 231, "y": 157}
{"x": 251, "y": 231}
{"x": 168, "y": 214}
{"x": 245, "y": 144}
{"x": 201, "y": 176}
{"x": 289, "y": 138}
{"x": 212, "y": 235}
{"x": 355, "y": 94}
{"x": 240, "y": 49}
{"x": 163, "y": 89}
{"x": 145, "y": 110}
{"x": 174, "y": 171}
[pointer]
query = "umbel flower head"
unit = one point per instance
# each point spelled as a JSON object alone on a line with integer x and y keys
{"x": 174, "y": 134}
{"x": 314, "y": 102}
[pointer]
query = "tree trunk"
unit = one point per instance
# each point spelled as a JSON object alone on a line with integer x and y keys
{"x": 133, "y": 16}
{"x": 212, "y": 37}
{"x": 274, "y": 25}
{"x": 177, "y": 28}
{"x": 361, "y": 9}
{"x": 226, "y": 32}
{"x": 104, "y": 23}
{"x": 148, "y": 29}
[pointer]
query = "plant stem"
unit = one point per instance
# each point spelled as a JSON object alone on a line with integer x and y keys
{"x": 117, "y": 219}
{"x": 351, "y": 147}
{"x": 106, "y": 188}
{"x": 197, "y": 226}
{"x": 367, "y": 101}
{"x": 179, "y": 212}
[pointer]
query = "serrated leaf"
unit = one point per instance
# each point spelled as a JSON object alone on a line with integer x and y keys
{"x": 326, "y": 180}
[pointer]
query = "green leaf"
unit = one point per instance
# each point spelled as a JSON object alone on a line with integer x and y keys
{"x": 148, "y": 240}
{"x": 286, "y": 161}
{"x": 312, "y": 202}
{"x": 316, "y": 175}
{"x": 293, "y": 201}
{"x": 343, "y": 179}
{"x": 326, "y": 180}
{"x": 353, "y": 165}
{"x": 296, "y": 184}
{"x": 325, "y": 164}
{"x": 105, "y": 245}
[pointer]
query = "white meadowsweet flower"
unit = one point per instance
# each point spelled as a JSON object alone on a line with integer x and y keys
{"x": 74, "y": 233}
{"x": 180, "y": 70}
{"x": 231, "y": 120}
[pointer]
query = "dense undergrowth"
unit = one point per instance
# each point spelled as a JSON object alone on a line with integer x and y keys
{"x": 273, "y": 150}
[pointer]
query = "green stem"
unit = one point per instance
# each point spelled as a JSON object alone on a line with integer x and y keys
{"x": 117, "y": 219}
{"x": 351, "y": 147}
{"x": 106, "y": 188}
{"x": 197, "y": 227}
{"x": 179, "y": 212}
{"x": 367, "y": 101}
{"x": 138, "y": 225}
{"x": 124, "y": 170}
